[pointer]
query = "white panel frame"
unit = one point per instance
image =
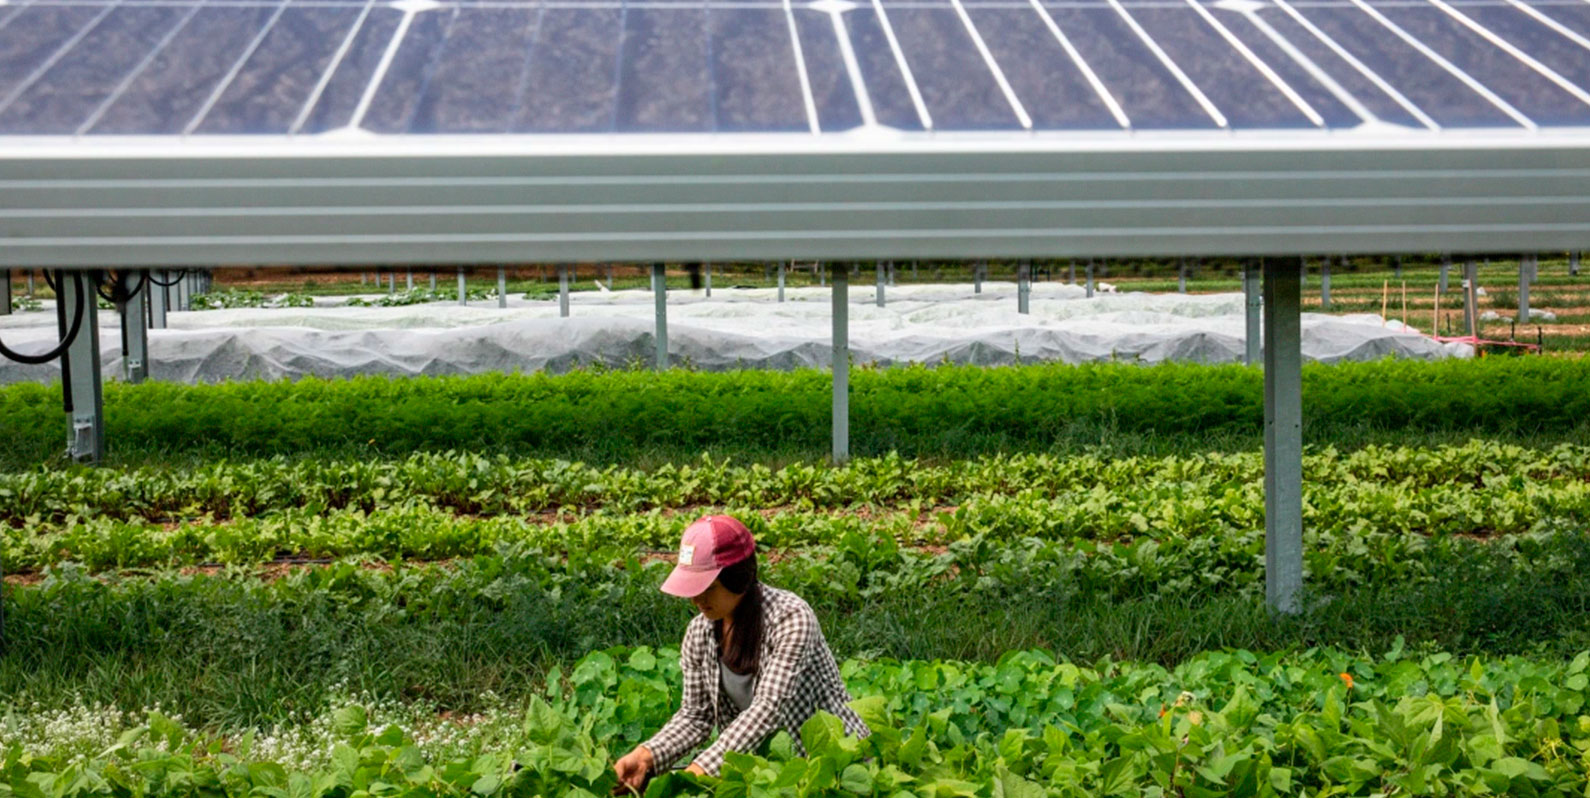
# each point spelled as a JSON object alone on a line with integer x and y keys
{"x": 86, "y": 203}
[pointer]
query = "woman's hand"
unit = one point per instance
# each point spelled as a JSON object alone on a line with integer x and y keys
{"x": 695, "y": 770}
{"x": 633, "y": 767}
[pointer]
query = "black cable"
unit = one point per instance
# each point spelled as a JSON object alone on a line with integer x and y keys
{"x": 120, "y": 294}
{"x": 71, "y": 335}
{"x": 181, "y": 273}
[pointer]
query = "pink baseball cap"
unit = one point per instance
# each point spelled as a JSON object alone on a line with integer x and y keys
{"x": 711, "y": 544}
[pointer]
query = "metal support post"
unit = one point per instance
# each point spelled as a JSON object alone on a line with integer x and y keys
{"x": 709, "y": 279}
{"x": 977, "y": 278}
{"x": 408, "y": 278}
{"x": 1181, "y": 275}
{"x": 1325, "y": 285}
{"x": 1471, "y": 276}
{"x": 433, "y": 281}
{"x": 609, "y": 276}
{"x": 5, "y": 292}
{"x": 1250, "y": 288}
{"x": 659, "y": 290}
{"x": 563, "y": 290}
{"x": 1024, "y": 287}
{"x": 1573, "y": 269}
{"x": 184, "y": 291}
{"x": 841, "y": 366}
{"x": 1446, "y": 266}
{"x": 1523, "y": 289}
{"x": 1283, "y": 436}
{"x": 502, "y": 287}
{"x": 135, "y": 332}
{"x": 391, "y": 282}
{"x": 85, "y": 428}
{"x": 159, "y": 299}
{"x": 781, "y": 281}
{"x": 1089, "y": 275}
{"x": 1396, "y": 268}
{"x": 463, "y": 295}
{"x": 881, "y": 278}
{"x": 31, "y": 294}
{"x": 893, "y": 274}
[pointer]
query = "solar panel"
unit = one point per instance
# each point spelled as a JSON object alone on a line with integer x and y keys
{"x": 212, "y": 67}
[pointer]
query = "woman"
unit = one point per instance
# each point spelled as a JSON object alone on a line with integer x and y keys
{"x": 754, "y": 660}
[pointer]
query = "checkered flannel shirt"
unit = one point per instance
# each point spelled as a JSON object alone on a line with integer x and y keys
{"x": 796, "y": 676}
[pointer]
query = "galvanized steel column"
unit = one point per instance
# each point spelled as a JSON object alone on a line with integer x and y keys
{"x": 709, "y": 279}
{"x": 1325, "y": 284}
{"x": 1471, "y": 272}
{"x": 85, "y": 429}
{"x": 408, "y": 277}
{"x": 1181, "y": 275}
{"x": 780, "y": 280}
{"x": 841, "y": 366}
{"x": 1523, "y": 289}
{"x": 1089, "y": 275}
{"x": 659, "y": 291}
{"x": 502, "y": 287}
{"x": 159, "y": 299}
{"x": 1250, "y": 290}
{"x": 563, "y": 290}
{"x": 462, "y": 294}
{"x": 1283, "y": 436}
{"x": 135, "y": 332}
{"x": 977, "y": 278}
{"x": 881, "y": 267}
{"x": 1446, "y": 266}
{"x": 433, "y": 281}
{"x": 1023, "y": 286}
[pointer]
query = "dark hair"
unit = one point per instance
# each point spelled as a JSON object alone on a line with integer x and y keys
{"x": 743, "y": 649}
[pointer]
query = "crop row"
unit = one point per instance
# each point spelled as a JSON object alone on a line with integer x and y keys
{"x": 479, "y": 485}
{"x": 1374, "y": 514}
{"x": 914, "y": 410}
{"x": 1321, "y": 722}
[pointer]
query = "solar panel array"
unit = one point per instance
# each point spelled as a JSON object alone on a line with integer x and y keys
{"x": 199, "y": 67}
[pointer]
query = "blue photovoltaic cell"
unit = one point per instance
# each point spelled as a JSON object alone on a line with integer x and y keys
{"x": 180, "y": 76}
{"x": 571, "y": 83}
{"x": 1511, "y": 79}
{"x": 880, "y": 71}
{"x": 1422, "y": 81}
{"x": 1050, "y": 84}
{"x": 1146, "y": 90}
{"x": 1545, "y": 45}
{"x": 1294, "y": 74}
{"x": 837, "y": 105}
{"x": 32, "y": 35}
{"x": 480, "y": 73}
{"x": 754, "y": 75}
{"x": 956, "y": 84}
{"x": 340, "y": 97}
{"x": 103, "y": 67}
{"x": 1229, "y": 80}
{"x": 1573, "y": 16}
{"x": 65, "y": 94}
{"x": 408, "y": 75}
{"x": 1354, "y": 82}
{"x": 270, "y": 90}
{"x": 664, "y": 83}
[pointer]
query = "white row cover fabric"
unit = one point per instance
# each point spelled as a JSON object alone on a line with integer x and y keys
{"x": 737, "y": 328}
